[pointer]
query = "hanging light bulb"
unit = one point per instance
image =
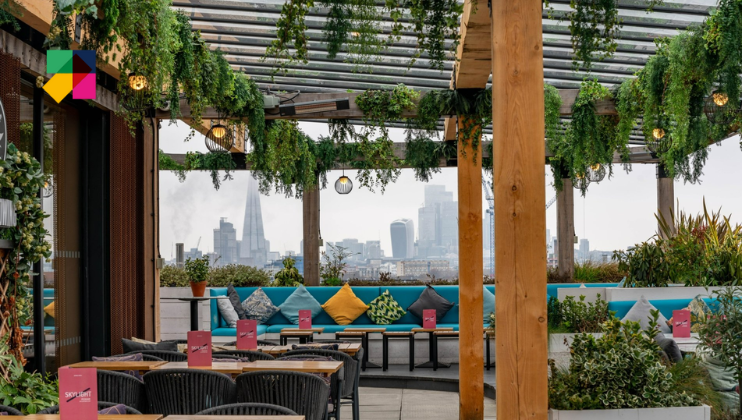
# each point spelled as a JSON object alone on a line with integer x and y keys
{"x": 219, "y": 131}
{"x": 343, "y": 185}
{"x": 720, "y": 98}
{"x": 658, "y": 133}
{"x": 137, "y": 81}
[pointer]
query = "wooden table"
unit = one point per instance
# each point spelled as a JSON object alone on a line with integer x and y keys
{"x": 431, "y": 348}
{"x": 303, "y": 335}
{"x": 227, "y": 368}
{"x": 363, "y": 332}
{"x": 100, "y": 417}
{"x": 180, "y": 417}
{"x": 142, "y": 367}
{"x": 348, "y": 348}
{"x": 306, "y": 366}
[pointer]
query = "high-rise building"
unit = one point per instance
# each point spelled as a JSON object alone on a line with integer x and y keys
{"x": 179, "y": 256}
{"x": 438, "y": 226}
{"x": 254, "y": 248}
{"x": 355, "y": 248}
{"x": 373, "y": 250}
{"x": 193, "y": 254}
{"x": 584, "y": 250}
{"x": 403, "y": 238}
{"x": 226, "y": 246}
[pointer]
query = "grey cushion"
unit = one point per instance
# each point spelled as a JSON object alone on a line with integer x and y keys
{"x": 300, "y": 299}
{"x": 132, "y": 346}
{"x": 430, "y": 299}
{"x": 258, "y": 306}
{"x": 234, "y": 299}
{"x": 640, "y": 313}
{"x": 227, "y": 311}
{"x": 670, "y": 347}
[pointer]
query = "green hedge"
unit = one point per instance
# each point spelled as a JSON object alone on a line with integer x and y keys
{"x": 239, "y": 275}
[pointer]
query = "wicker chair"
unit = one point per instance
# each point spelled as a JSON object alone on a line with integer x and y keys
{"x": 351, "y": 369}
{"x": 10, "y": 410}
{"x": 304, "y": 393}
{"x": 187, "y": 391}
{"x": 335, "y": 382}
{"x": 150, "y": 358}
{"x": 248, "y": 409}
{"x": 225, "y": 357}
{"x": 166, "y": 355}
{"x": 120, "y": 388}
{"x": 244, "y": 354}
{"x": 101, "y": 405}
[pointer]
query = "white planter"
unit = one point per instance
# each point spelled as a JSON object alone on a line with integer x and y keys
{"x": 175, "y": 315}
{"x": 657, "y": 293}
{"x": 590, "y": 293}
{"x": 670, "y": 413}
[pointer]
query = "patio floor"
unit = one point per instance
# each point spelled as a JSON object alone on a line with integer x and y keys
{"x": 411, "y": 404}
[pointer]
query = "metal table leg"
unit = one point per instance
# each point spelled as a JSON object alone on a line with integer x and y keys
{"x": 194, "y": 315}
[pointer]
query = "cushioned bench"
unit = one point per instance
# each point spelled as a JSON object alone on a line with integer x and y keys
{"x": 665, "y": 306}
{"x": 404, "y": 295}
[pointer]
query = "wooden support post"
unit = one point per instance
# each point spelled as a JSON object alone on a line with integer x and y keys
{"x": 310, "y": 202}
{"x": 149, "y": 244}
{"x": 471, "y": 357}
{"x": 665, "y": 198}
{"x": 566, "y": 230}
{"x": 520, "y": 209}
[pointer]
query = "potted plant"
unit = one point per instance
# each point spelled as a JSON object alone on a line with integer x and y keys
{"x": 198, "y": 274}
{"x": 619, "y": 375}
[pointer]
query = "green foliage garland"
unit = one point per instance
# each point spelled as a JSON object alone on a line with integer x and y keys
{"x": 589, "y": 141}
{"x": 21, "y": 179}
{"x": 7, "y": 9}
{"x": 594, "y": 26}
{"x": 290, "y": 33}
{"x": 197, "y": 161}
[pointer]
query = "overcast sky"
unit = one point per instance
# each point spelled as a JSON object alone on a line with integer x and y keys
{"x": 615, "y": 214}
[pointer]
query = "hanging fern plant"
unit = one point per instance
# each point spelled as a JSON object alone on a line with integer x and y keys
{"x": 435, "y": 21}
{"x": 594, "y": 27}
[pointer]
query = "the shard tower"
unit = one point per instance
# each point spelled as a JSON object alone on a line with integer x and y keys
{"x": 253, "y": 249}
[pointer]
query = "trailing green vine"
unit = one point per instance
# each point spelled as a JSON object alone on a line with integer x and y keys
{"x": 214, "y": 162}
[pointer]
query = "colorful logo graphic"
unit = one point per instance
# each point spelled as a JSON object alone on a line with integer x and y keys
{"x": 73, "y": 71}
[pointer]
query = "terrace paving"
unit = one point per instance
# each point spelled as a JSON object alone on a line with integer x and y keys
{"x": 411, "y": 404}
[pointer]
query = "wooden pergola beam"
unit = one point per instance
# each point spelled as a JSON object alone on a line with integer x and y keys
{"x": 474, "y": 55}
{"x": 568, "y": 99}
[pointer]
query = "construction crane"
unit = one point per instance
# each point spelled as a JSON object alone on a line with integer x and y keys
{"x": 551, "y": 202}
{"x": 487, "y": 185}
{"x": 199, "y": 238}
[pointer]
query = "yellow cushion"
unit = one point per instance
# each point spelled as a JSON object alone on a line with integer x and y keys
{"x": 345, "y": 306}
{"x": 49, "y": 309}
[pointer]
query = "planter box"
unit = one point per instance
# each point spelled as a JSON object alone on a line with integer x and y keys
{"x": 175, "y": 316}
{"x": 657, "y": 293}
{"x": 590, "y": 293}
{"x": 670, "y": 413}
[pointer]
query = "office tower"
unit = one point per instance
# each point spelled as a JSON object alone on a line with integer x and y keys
{"x": 225, "y": 243}
{"x": 179, "y": 256}
{"x": 584, "y": 250}
{"x": 373, "y": 250}
{"x": 253, "y": 249}
{"x": 438, "y": 226}
{"x": 403, "y": 238}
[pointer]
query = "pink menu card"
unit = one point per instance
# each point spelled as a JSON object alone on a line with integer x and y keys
{"x": 247, "y": 334}
{"x": 429, "y": 321}
{"x": 681, "y": 323}
{"x": 305, "y": 319}
{"x": 78, "y": 394}
{"x": 199, "y": 348}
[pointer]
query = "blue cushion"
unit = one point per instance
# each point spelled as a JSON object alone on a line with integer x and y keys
{"x": 488, "y": 305}
{"x": 299, "y": 300}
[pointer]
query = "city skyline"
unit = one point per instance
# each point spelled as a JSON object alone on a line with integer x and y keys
{"x": 192, "y": 209}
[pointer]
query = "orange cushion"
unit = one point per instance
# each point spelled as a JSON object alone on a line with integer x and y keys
{"x": 345, "y": 306}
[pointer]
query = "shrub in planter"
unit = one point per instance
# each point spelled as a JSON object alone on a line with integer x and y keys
{"x": 621, "y": 369}
{"x": 721, "y": 334}
{"x": 197, "y": 270}
{"x": 27, "y": 392}
{"x": 172, "y": 276}
{"x": 239, "y": 276}
{"x": 577, "y": 316}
